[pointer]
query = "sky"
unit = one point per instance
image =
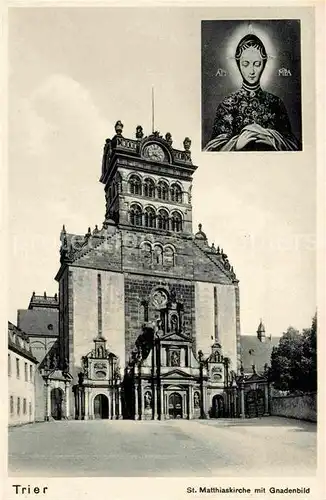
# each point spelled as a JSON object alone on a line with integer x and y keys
{"x": 73, "y": 72}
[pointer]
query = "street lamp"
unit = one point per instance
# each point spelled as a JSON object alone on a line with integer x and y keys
{"x": 46, "y": 370}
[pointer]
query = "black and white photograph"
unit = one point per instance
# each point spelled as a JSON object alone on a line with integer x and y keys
{"x": 162, "y": 305}
{"x": 251, "y": 85}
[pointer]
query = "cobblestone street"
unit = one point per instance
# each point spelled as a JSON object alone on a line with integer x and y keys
{"x": 259, "y": 447}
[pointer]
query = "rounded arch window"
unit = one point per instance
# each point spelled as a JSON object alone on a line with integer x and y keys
{"x": 149, "y": 188}
{"x": 135, "y": 215}
{"x": 176, "y": 222}
{"x": 149, "y": 217}
{"x": 134, "y": 184}
{"x": 168, "y": 256}
{"x": 162, "y": 219}
{"x": 176, "y": 193}
{"x": 158, "y": 254}
{"x": 162, "y": 190}
{"x": 118, "y": 181}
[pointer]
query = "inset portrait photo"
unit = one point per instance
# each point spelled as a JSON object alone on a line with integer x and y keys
{"x": 251, "y": 85}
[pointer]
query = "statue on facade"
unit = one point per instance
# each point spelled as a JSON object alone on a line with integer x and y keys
{"x": 148, "y": 400}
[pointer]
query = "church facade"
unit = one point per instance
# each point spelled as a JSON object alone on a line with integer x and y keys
{"x": 149, "y": 320}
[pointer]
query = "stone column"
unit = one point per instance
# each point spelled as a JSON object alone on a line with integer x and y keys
{"x": 266, "y": 413}
{"x": 86, "y": 395}
{"x": 119, "y": 404}
{"x": 191, "y": 402}
{"x": 136, "y": 400}
{"x": 114, "y": 411}
{"x": 162, "y": 416}
{"x": 48, "y": 401}
{"x": 67, "y": 401}
{"x": 242, "y": 402}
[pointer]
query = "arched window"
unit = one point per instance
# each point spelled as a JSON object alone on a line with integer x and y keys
{"x": 135, "y": 215}
{"x": 162, "y": 219}
{"x": 176, "y": 222}
{"x": 168, "y": 256}
{"x": 146, "y": 253}
{"x": 118, "y": 181}
{"x": 149, "y": 217}
{"x": 162, "y": 190}
{"x": 149, "y": 188}
{"x": 158, "y": 255}
{"x": 134, "y": 184}
{"x": 176, "y": 193}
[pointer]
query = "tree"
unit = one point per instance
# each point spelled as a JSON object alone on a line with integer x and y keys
{"x": 294, "y": 360}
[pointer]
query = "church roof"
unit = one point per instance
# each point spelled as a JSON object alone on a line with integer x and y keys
{"x": 19, "y": 342}
{"x": 39, "y": 322}
{"x": 255, "y": 352}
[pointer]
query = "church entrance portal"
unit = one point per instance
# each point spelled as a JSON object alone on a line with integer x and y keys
{"x": 217, "y": 407}
{"x": 101, "y": 406}
{"x": 175, "y": 405}
{"x": 56, "y": 403}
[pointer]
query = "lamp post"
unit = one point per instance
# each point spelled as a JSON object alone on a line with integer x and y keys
{"x": 45, "y": 374}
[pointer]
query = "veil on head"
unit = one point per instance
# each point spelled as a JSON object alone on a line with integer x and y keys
{"x": 251, "y": 41}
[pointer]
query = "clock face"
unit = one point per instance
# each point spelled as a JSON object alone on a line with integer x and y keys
{"x": 154, "y": 152}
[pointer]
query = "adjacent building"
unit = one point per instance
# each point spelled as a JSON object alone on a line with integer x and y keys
{"x": 21, "y": 377}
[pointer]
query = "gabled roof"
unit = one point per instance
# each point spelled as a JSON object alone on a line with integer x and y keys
{"x": 255, "y": 352}
{"x": 19, "y": 342}
{"x": 41, "y": 322}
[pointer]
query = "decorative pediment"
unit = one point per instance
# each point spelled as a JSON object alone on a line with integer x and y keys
{"x": 178, "y": 337}
{"x": 176, "y": 373}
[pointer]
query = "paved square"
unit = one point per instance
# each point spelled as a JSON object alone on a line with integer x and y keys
{"x": 270, "y": 446}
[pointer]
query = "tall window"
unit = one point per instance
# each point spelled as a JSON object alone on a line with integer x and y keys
{"x": 146, "y": 253}
{"x": 163, "y": 219}
{"x": 149, "y": 188}
{"x": 11, "y": 405}
{"x": 9, "y": 365}
{"x": 17, "y": 368}
{"x": 18, "y": 406}
{"x": 135, "y": 184}
{"x": 26, "y": 372}
{"x": 149, "y": 217}
{"x": 158, "y": 255}
{"x": 176, "y": 193}
{"x": 162, "y": 190}
{"x": 24, "y": 406}
{"x": 30, "y": 409}
{"x": 176, "y": 222}
{"x": 168, "y": 256}
{"x": 135, "y": 215}
{"x": 31, "y": 373}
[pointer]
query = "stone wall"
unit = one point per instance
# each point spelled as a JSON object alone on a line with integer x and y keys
{"x": 303, "y": 407}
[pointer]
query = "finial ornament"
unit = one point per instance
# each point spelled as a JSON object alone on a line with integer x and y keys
{"x": 250, "y": 29}
{"x": 168, "y": 138}
{"x": 187, "y": 144}
{"x": 118, "y": 127}
{"x": 139, "y": 132}
{"x": 200, "y": 226}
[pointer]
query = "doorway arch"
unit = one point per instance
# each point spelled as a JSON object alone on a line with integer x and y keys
{"x": 101, "y": 406}
{"x": 217, "y": 406}
{"x": 175, "y": 405}
{"x": 56, "y": 403}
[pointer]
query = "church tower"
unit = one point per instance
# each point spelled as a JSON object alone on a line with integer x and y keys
{"x": 147, "y": 182}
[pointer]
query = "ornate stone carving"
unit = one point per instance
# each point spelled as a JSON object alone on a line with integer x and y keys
{"x": 159, "y": 299}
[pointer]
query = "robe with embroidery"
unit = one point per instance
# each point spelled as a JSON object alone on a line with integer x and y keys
{"x": 252, "y": 120}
